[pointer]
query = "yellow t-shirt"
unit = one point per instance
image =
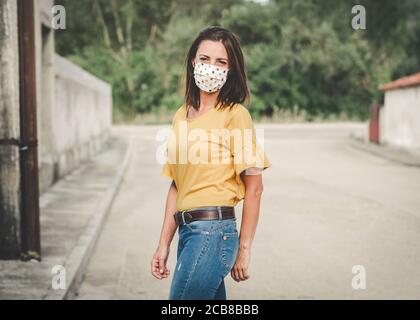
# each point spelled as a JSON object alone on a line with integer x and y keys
{"x": 206, "y": 154}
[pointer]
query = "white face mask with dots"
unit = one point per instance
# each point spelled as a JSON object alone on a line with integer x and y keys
{"x": 208, "y": 77}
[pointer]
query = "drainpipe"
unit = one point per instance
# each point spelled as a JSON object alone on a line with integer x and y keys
{"x": 30, "y": 224}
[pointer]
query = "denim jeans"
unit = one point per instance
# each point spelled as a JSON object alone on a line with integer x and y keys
{"x": 206, "y": 253}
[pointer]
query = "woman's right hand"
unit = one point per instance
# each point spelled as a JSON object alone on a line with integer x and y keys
{"x": 159, "y": 260}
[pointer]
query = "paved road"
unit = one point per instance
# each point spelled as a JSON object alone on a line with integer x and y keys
{"x": 326, "y": 208}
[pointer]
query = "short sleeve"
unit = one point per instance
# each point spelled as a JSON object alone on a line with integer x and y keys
{"x": 167, "y": 171}
{"x": 168, "y": 167}
{"x": 247, "y": 152}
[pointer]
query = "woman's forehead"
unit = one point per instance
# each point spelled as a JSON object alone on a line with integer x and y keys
{"x": 214, "y": 49}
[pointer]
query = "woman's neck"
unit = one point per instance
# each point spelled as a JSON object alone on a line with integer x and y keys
{"x": 207, "y": 100}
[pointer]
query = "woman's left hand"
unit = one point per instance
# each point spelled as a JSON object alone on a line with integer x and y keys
{"x": 239, "y": 271}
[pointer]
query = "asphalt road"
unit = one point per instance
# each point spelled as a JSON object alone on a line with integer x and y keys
{"x": 326, "y": 208}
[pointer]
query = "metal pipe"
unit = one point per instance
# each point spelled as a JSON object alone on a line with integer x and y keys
{"x": 30, "y": 223}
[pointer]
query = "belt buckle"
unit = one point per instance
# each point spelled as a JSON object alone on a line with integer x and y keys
{"x": 184, "y": 219}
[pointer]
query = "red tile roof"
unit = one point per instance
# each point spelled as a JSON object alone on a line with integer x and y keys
{"x": 409, "y": 81}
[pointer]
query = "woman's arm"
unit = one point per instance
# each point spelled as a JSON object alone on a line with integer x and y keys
{"x": 160, "y": 258}
{"x": 251, "y": 208}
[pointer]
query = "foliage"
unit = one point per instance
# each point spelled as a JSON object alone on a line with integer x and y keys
{"x": 301, "y": 55}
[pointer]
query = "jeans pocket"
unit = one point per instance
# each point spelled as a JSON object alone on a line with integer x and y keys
{"x": 200, "y": 226}
{"x": 229, "y": 248}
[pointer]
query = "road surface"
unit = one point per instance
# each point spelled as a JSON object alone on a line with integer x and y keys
{"x": 327, "y": 208}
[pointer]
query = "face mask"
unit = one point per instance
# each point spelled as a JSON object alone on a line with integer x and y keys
{"x": 208, "y": 77}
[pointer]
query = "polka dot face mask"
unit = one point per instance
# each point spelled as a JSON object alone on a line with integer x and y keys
{"x": 208, "y": 77}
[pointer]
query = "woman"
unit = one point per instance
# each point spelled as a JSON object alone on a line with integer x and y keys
{"x": 203, "y": 194}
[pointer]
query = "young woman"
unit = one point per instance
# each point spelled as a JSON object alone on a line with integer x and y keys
{"x": 203, "y": 194}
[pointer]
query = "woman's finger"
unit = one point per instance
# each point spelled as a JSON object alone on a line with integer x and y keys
{"x": 162, "y": 266}
{"x": 245, "y": 273}
{"x": 166, "y": 273}
{"x": 241, "y": 274}
{"x": 155, "y": 269}
{"x": 235, "y": 275}
{"x": 152, "y": 265}
{"x": 156, "y": 274}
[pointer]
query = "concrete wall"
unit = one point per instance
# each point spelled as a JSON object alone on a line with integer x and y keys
{"x": 44, "y": 55}
{"x": 80, "y": 120}
{"x": 400, "y": 118}
{"x": 9, "y": 132}
{"x": 74, "y": 107}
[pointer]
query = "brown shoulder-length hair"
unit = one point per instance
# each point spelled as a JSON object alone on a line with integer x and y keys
{"x": 235, "y": 90}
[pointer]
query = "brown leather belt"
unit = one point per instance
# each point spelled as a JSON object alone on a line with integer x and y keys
{"x": 204, "y": 213}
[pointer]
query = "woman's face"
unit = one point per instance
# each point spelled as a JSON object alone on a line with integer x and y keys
{"x": 212, "y": 52}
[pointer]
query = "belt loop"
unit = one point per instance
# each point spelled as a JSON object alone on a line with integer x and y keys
{"x": 220, "y": 212}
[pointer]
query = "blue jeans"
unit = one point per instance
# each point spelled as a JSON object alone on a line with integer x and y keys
{"x": 206, "y": 253}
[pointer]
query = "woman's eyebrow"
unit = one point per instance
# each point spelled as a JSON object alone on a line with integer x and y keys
{"x": 209, "y": 57}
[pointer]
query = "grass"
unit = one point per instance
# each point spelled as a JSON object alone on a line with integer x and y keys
{"x": 164, "y": 116}
{"x": 292, "y": 116}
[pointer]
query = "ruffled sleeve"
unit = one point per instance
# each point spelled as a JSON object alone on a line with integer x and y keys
{"x": 246, "y": 150}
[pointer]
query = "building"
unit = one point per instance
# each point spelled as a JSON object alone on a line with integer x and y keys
{"x": 399, "y": 118}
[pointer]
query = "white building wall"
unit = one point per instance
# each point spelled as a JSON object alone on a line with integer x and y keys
{"x": 400, "y": 118}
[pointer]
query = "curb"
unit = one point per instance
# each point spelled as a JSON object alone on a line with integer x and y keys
{"x": 78, "y": 259}
{"x": 399, "y": 155}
